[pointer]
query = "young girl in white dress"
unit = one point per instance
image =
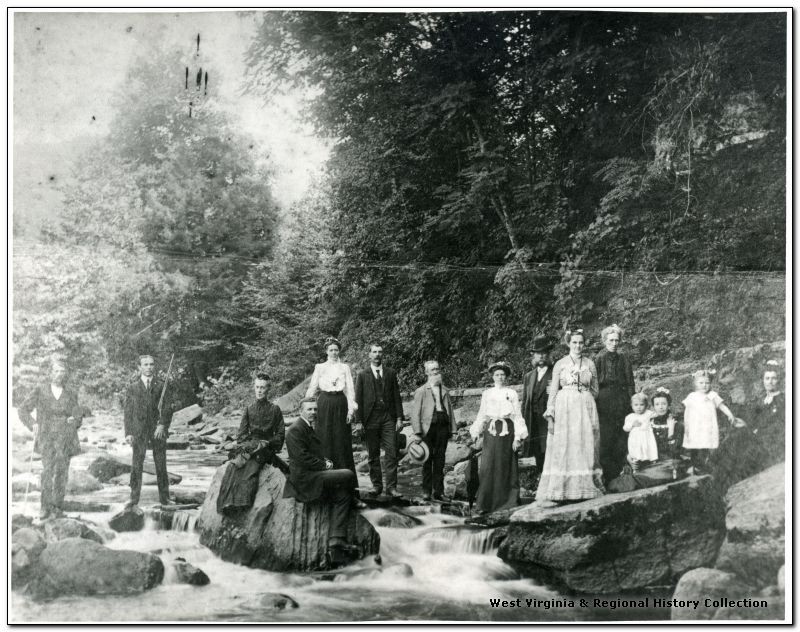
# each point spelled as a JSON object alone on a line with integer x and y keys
{"x": 642, "y": 446}
{"x": 701, "y": 431}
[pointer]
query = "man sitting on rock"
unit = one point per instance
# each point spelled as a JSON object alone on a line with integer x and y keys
{"x": 312, "y": 478}
{"x": 260, "y": 438}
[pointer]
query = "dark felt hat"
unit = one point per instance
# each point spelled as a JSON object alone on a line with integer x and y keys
{"x": 541, "y": 344}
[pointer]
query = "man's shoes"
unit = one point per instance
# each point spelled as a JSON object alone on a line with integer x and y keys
{"x": 426, "y": 496}
{"x": 44, "y": 514}
{"x": 358, "y": 504}
{"x": 374, "y": 493}
{"x": 168, "y": 501}
{"x": 441, "y": 497}
{"x": 393, "y": 493}
{"x": 130, "y": 505}
{"x": 57, "y": 512}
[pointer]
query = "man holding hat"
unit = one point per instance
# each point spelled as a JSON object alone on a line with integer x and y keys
{"x": 535, "y": 384}
{"x": 433, "y": 422}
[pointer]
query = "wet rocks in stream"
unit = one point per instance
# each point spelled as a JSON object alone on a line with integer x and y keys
{"x": 131, "y": 519}
{"x": 189, "y": 574}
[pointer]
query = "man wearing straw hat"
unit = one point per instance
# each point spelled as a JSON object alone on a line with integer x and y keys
{"x": 146, "y": 418}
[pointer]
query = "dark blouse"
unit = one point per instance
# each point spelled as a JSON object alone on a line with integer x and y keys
{"x": 262, "y": 420}
{"x": 668, "y": 448}
{"x": 614, "y": 371}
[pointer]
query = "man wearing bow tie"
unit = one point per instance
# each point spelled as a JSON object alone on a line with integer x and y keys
{"x": 146, "y": 419}
{"x": 534, "y": 400}
{"x": 380, "y": 410}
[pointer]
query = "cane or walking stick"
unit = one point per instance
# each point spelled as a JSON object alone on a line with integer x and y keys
{"x": 30, "y": 470}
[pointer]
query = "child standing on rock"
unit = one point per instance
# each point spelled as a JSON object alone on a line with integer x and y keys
{"x": 641, "y": 440}
{"x": 701, "y": 431}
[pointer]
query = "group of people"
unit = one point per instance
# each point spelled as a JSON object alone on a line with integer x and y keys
{"x": 581, "y": 419}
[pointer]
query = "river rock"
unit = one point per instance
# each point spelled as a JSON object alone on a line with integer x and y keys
{"x": 178, "y": 442}
{"x": 396, "y": 520}
{"x": 706, "y": 583}
{"x": 278, "y": 601}
{"x": 63, "y": 528}
{"x": 456, "y": 452}
{"x": 131, "y": 519}
{"x": 104, "y": 468}
{"x": 80, "y": 482}
{"x": 754, "y": 546}
{"x": 84, "y": 506}
{"x": 455, "y": 484}
{"x": 18, "y": 521}
{"x": 77, "y": 566}
{"x": 619, "y": 542}
{"x": 125, "y": 479}
{"x": 194, "y": 497}
{"x": 26, "y": 546}
{"x": 189, "y": 574}
{"x": 277, "y": 534}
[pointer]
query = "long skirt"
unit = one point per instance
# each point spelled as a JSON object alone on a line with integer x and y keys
{"x": 572, "y": 465}
{"x": 613, "y": 404}
{"x": 498, "y": 473}
{"x": 333, "y": 430}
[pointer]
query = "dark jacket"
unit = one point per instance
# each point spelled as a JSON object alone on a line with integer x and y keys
{"x": 367, "y": 393}
{"x": 51, "y": 417}
{"x": 262, "y": 421}
{"x": 534, "y": 400}
{"x": 306, "y": 463}
{"x": 141, "y": 414}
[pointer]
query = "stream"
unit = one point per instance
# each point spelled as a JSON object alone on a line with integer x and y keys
{"x": 439, "y": 570}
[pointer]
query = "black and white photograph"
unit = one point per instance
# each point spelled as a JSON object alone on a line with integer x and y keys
{"x": 408, "y": 315}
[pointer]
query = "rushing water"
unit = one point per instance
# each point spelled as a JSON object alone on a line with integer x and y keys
{"x": 440, "y": 570}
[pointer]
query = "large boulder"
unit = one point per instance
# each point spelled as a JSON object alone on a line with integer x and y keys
{"x": 27, "y": 545}
{"x": 77, "y": 566}
{"x": 619, "y": 542}
{"x": 276, "y": 533}
{"x": 754, "y": 547}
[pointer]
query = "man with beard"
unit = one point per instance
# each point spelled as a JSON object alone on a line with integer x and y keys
{"x": 534, "y": 400}
{"x": 433, "y": 422}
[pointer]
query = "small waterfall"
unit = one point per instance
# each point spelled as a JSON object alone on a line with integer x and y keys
{"x": 184, "y": 520}
{"x": 461, "y": 539}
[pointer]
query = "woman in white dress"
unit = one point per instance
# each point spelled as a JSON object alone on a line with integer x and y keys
{"x": 572, "y": 465}
{"x": 503, "y": 429}
{"x": 336, "y": 405}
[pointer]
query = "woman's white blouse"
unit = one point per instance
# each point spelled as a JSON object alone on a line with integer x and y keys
{"x": 499, "y": 403}
{"x": 333, "y": 377}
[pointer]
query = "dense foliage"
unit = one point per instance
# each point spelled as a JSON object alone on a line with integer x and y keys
{"x": 498, "y": 173}
{"x": 494, "y": 175}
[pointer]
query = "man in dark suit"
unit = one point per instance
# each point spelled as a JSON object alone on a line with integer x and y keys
{"x": 535, "y": 384}
{"x": 380, "y": 410}
{"x": 146, "y": 419}
{"x": 312, "y": 477}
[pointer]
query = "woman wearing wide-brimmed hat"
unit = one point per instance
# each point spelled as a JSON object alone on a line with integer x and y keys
{"x": 572, "y": 464}
{"x": 502, "y": 427}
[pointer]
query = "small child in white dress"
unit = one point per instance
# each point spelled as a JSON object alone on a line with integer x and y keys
{"x": 701, "y": 431}
{"x": 642, "y": 446}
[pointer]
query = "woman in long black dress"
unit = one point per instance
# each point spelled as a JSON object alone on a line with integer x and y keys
{"x": 58, "y": 417}
{"x": 336, "y": 405}
{"x": 502, "y": 427}
{"x": 615, "y": 376}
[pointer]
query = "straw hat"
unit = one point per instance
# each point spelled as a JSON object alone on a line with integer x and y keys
{"x": 418, "y": 452}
